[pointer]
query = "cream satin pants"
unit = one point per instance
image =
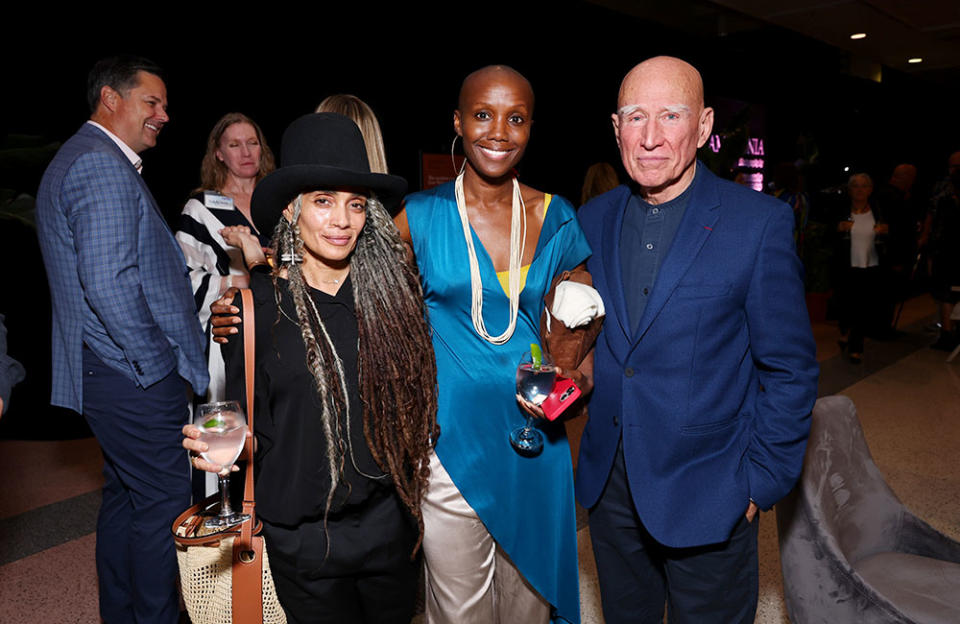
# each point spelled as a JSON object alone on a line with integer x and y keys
{"x": 470, "y": 580}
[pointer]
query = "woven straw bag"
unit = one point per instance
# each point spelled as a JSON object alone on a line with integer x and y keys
{"x": 206, "y": 577}
{"x": 225, "y": 576}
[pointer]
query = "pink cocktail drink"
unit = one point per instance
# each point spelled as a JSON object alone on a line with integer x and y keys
{"x": 223, "y": 428}
{"x": 223, "y": 444}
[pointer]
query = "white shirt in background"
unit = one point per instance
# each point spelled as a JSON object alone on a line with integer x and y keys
{"x": 863, "y": 251}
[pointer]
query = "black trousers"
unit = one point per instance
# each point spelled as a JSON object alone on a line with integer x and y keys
{"x": 638, "y": 575}
{"x": 367, "y": 576}
{"x": 862, "y": 307}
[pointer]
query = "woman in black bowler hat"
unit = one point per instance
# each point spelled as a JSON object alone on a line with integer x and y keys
{"x": 345, "y": 390}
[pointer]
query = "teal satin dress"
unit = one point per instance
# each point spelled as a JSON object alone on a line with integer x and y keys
{"x": 525, "y": 503}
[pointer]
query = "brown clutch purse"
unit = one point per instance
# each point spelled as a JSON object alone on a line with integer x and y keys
{"x": 567, "y": 346}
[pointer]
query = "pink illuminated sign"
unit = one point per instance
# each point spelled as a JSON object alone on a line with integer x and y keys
{"x": 752, "y": 159}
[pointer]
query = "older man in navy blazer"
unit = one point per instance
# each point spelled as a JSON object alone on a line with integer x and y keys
{"x": 705, "y": 370}
{"x": 126, "y": 339}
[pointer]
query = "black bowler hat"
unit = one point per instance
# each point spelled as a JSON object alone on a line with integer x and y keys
{"x": 319, "y": 151}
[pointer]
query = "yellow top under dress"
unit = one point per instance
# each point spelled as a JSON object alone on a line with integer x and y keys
{"x": 504, "y": 276}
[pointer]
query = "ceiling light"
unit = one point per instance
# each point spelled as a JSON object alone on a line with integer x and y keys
{"x": 915, "y": 60}
{"x": 858, "y": 36}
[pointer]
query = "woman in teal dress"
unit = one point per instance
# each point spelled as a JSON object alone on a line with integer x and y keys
{"x": 500, "y": 528}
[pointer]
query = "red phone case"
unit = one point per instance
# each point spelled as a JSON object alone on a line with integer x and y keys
{"x": 565, "y": 393}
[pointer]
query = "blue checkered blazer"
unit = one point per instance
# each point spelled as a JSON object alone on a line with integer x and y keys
{"x": 118, "y": 280}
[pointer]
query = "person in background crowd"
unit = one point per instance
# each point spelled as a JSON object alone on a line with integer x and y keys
{"x": 356, "y": 109}
{"x": 788, "y": 188}
{"x": 705, "y": 369}
{"x": 126, "y": 339}
{"x": 859, "y": 254}
{"x": 896, "y": 203}
{"x": 941, "y": 234}
{"x": 600, "y": 178}
{"x": 237, "y": 157}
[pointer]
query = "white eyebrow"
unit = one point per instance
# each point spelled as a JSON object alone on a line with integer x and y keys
{"x": 672, "y": 108}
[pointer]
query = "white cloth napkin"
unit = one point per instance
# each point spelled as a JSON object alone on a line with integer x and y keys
{"x": 575, "y": 304}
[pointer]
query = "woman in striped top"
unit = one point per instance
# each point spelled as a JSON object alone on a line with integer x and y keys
{"x": 237, "y": 157}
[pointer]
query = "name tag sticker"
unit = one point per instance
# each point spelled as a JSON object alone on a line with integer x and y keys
{"x": 217, "y": 201}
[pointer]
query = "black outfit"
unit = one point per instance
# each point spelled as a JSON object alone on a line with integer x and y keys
{"x": 367, "y": 575}
{"x": 641, "y": 573}
{"x": 945, "y": 243}
{"x": 862, "y": 307}
{"x": 645, "y": 238}
{"x": 900, "y": 214}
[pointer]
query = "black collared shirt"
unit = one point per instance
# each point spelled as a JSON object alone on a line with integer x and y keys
{"x": 293, "y": 473}
{"x": 647, "y": 233}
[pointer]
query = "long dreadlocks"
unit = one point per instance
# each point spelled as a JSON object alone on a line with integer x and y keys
{"x": 398, "y": 371}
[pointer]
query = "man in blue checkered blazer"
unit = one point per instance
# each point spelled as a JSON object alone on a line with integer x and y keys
{"x": 126, "y": 340}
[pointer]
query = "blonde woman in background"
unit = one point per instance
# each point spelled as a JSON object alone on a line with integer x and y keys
{"x": 356, "y": 109}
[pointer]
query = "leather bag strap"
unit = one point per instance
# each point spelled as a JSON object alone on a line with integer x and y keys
{"x": 186, "y": 525}
{"x": 248, "y": 549}
{"x": 249, "y": 353}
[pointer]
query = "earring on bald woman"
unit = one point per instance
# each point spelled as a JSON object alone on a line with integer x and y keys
{"x": 453, "y": 159}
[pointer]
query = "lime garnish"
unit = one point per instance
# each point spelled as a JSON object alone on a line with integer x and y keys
{"x": 536, "y": 355}
{"x": 213, "y": 423}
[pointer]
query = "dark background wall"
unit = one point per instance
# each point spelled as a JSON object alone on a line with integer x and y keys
{"x": 277, "y": 63}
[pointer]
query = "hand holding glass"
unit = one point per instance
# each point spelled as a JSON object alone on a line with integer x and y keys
{"x": 535, "y": 378}
{"x": 223, "y": 428}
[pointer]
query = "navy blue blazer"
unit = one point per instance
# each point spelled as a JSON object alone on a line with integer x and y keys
{"x": 712, "y": 394}
{"x": 118, "y": 280}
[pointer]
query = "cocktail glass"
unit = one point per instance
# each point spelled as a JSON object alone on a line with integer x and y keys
{"x": 535, "y": 378}
{"x": 223, "y": 428}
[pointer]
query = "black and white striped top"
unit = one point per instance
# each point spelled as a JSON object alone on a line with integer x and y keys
{"x": 208, "y": 256}
{"x": 210, "y": 260}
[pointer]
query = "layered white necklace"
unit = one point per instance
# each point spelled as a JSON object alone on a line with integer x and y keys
{"x": 518, "y": 231}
